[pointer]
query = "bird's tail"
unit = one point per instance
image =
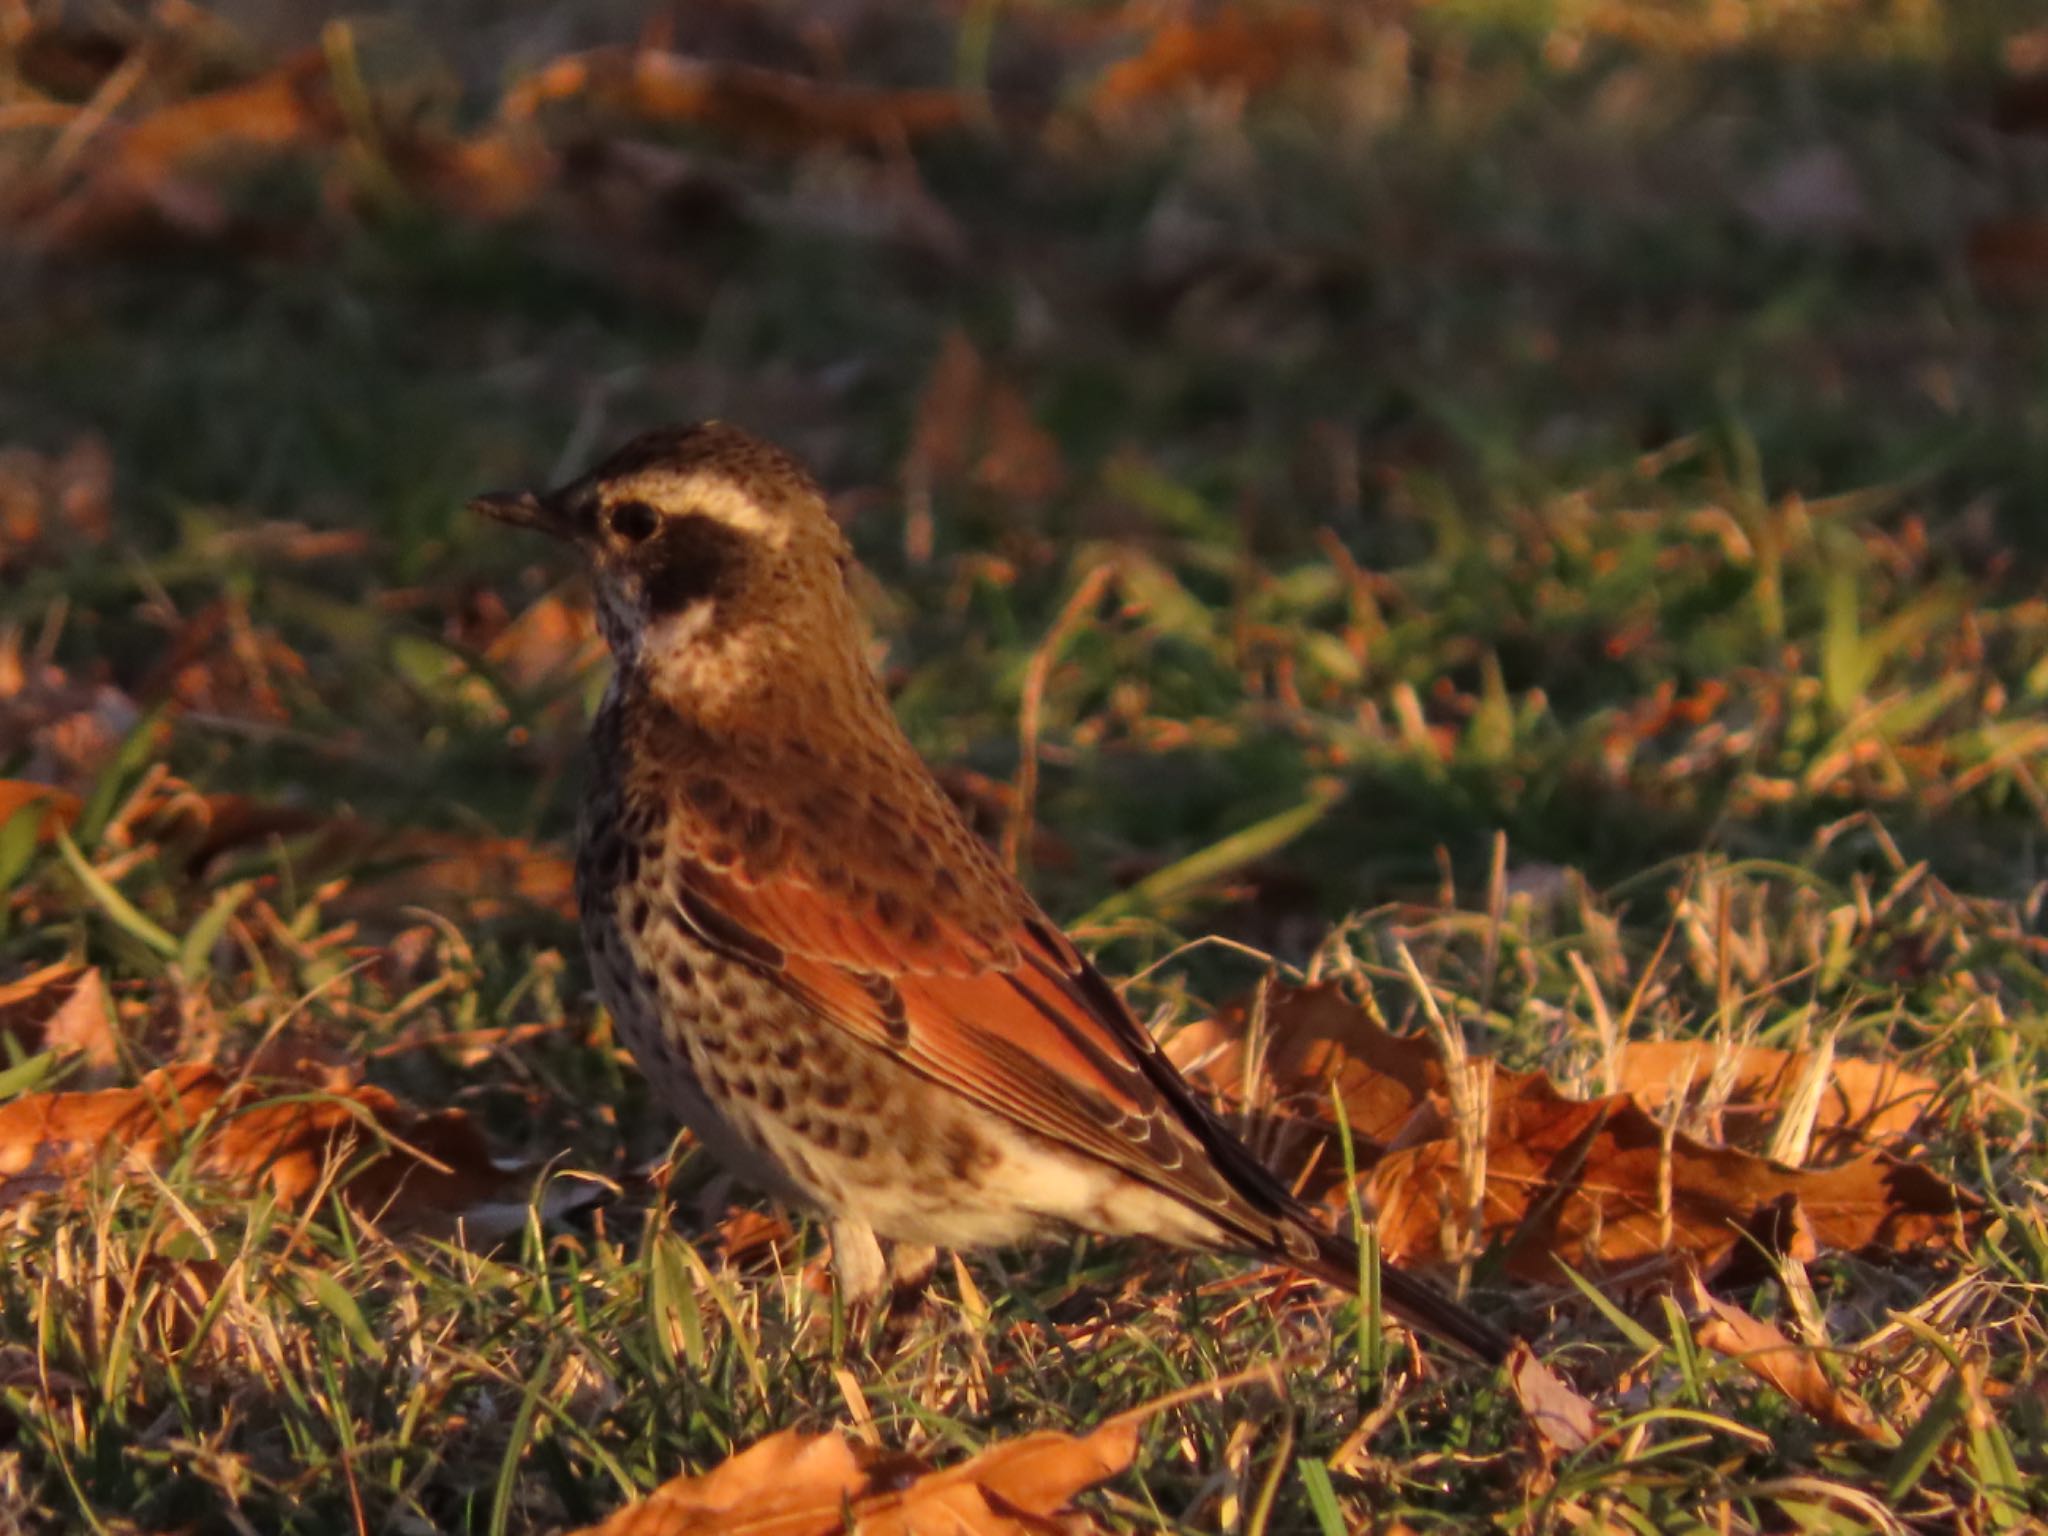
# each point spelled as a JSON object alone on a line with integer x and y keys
{"x": 1416, "y": 1302}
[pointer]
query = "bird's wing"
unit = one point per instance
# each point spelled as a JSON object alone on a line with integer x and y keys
{"x": 1005, "y": 1012}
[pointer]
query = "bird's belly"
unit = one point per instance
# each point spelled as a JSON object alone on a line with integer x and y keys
{"x": 660, "y": 1044}
{"x": 1021, "y": 1187}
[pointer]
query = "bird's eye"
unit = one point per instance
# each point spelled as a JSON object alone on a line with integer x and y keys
{"x": 634, "y": 520}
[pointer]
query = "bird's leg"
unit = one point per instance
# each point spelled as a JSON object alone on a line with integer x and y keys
{"x": 910, "y": 1275}
{"x": 857, "y": 1263}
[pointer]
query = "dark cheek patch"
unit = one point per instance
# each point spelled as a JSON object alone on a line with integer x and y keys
{"x": 692, "y": 558}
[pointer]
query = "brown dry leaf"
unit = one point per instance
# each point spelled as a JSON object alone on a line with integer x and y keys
{"x": 939, "y": 437}
{"x": 146, "y": 176}
{"x": 62, "y": 1007}
{"x": 790, "y": 1484}
{"x": 408, "y": 1168}
{"x": 1563, "y": 1419}
{"x": 221, "y": 662}
{"x": 56, "y": 500}
{"x": 201, "y": 827}
{"x": 488, "y": 877}
{"x": 750, "y": 1238}
{"x": 974, "y": 424}
{"x": 499, "y": 174}
{"x": 1867, "y": 1102}
{"x": 1010, "y": 1489}
{"x": 761, "y": 106}
{"x": 60, "y": 808}
{"x": 553, "y": 639}
{"x": 1229, "y": 48}
{"x": 1791, "y": 1369}
{"x": 817, "y": 1485}
{"x": 1019, "y": 458}
{"x": 1588, "y": 1181}
{"x": 71, "y": 727}
{"x": 1313, "y": 1039}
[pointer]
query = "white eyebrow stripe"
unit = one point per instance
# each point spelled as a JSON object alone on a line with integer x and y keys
{"x": 714, "y": 496}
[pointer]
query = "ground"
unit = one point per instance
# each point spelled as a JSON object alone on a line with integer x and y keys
{"x": 1526, "y": 513}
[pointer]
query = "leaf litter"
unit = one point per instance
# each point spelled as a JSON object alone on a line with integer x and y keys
{"x": 1604, "y": 1185}
{"x": 296, "y": 1139}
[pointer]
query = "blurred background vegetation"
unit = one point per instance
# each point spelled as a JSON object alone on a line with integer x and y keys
{"x": 1294, "y": 448}
{"x": 1616, "y": 348}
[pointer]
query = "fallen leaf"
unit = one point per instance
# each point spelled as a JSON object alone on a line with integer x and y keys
{"x": 786, "y": 1485}
{"x": 1867, "y": 1102}
{"x": 1586, "y": 1181}
{"x": 751, "y": 1238}
{"x": 71, "y": 728}
{"x": 760, "y": 106}
{"x": 59, "y": 808}
{"x": 53, "y": 501}
{"x": 222, "y": 663}
{"x": 550, "y": 641}
{"x": 1313, "y": 1039}
{"x": 944, "y": 423}
{"x": 973, "y": 425}
{"x": 818, "y": 1485}
{"x": 499, "y": 174}
{"x": 1591, "y": 1182}
{"x": 1231, "y": 47}
{"x": 406, "y": 1167}
{"x": 1791, "y": 1369}
{"x": 488, "y": 877}
{"x": 1560, "y": 1416}
{"x": 61, "y": 1007}
{"x": 1009, "y": 1489}
{"x": 148, "y": 174}
{"x": 201, "y": 827}
{"x": 1778, "y": 1235}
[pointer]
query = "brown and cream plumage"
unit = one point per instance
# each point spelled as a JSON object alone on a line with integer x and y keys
{"x": 818, "y": 964}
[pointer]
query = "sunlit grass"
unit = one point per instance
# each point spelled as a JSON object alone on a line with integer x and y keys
{"x": 1474, "y": 529}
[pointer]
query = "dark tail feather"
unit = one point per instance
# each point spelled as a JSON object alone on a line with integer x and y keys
{"x": 1416, "y": 1302}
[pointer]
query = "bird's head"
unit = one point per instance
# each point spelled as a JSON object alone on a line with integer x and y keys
{"x": 707, "y": 548}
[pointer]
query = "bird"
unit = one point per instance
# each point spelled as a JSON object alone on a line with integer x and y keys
{"x": 818, "y": 964}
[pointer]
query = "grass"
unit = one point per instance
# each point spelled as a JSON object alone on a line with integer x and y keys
{"x": 1541, "y": 422}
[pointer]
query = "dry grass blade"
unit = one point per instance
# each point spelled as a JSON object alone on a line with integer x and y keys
{"x": 1858, "y": 1102}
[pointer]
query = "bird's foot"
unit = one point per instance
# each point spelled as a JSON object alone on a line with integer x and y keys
{"x": 891, "y": 1291}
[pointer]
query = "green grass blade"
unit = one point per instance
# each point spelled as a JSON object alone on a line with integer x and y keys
{"x": 1164, "y": 890}
{"x": 119, "y": 910}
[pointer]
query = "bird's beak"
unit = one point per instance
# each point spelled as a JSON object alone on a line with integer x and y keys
{"x": 523, "y": 509}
